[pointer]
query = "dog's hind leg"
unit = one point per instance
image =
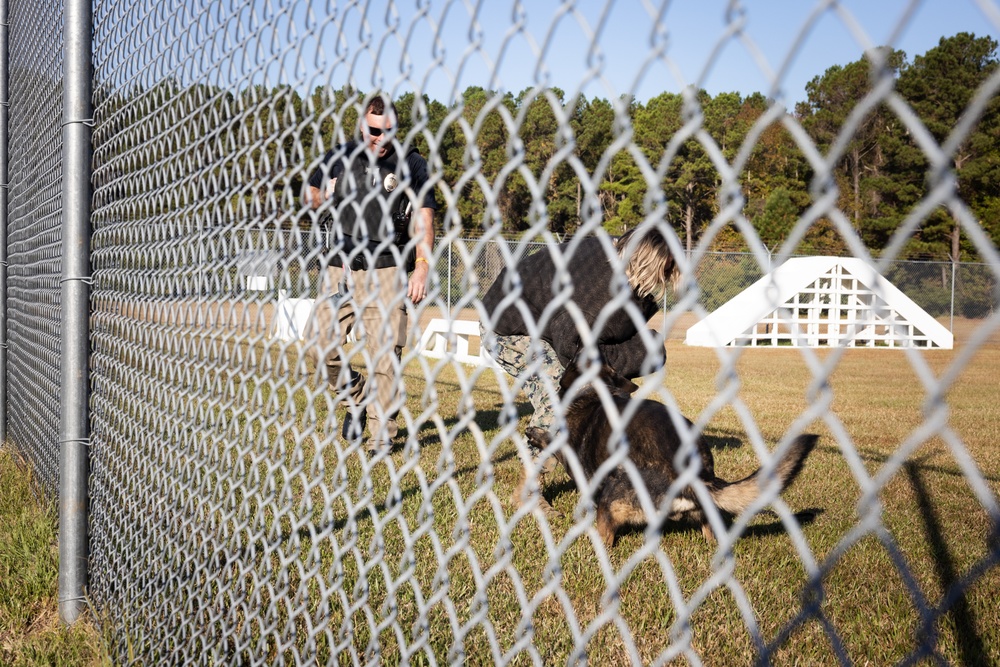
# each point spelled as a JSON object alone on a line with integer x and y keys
{"x": 606, "y": 526}
{"x": 615, "y": 511}
{"x": 706, "y": 529}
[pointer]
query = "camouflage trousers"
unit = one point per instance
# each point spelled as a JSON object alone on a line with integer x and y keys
{"x": 535, "y": 367}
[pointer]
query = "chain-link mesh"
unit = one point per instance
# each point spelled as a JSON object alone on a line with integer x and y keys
{"x": 239, "y": 515}
{"x": 34, "y": 235}
{"x": 944, "y": 289}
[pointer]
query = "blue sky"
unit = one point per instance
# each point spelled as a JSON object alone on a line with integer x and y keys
{"x": 550, "y": 42}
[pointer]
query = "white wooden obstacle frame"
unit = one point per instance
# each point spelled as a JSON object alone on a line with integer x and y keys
{"x": 257, "y": 270}
{"x": 821, "y": 302}
{"x": 450, "y": 338}
{"x": 441, "y": 338}
{"x": 291, "y": 316}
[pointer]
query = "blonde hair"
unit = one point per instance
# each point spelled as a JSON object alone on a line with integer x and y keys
{"x": 649, "y": 266}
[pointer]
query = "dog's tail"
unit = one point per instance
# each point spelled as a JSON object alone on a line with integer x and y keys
{"x": 734, "y": 497}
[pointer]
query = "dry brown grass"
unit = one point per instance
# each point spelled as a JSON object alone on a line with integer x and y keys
{"x": 894, "y": 590}
{"x": 30, "y": 630}
{"x": 874, "y": 596}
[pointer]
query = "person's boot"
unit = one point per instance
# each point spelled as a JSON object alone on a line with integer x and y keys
{"x": 354, "y": 429}
{"x": 379, "y": 448}
{"x": 354, "y": 423}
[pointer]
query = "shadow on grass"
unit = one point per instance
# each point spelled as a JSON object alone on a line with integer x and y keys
{"x": 756, "y": 531}
{"x": 970, "y": 642}
{"x": 428, "y": 436}
{"x": 803, "y": 517}
{"x": 723, "y": 441}
{"x": 867, "y": 454}
{"x": 486, "y": 420}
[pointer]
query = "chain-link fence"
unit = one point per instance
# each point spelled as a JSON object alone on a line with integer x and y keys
{"x": 237, "y": 512}
{"x": 944, "y": 289}
{"x": 34, "y": 236}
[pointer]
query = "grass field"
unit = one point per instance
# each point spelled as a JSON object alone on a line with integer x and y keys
{"x": 30, "y": 631}
{"x": 892, "y": 557}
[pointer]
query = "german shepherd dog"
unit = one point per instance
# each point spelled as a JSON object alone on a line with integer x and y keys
{"x": 653, "y": 443}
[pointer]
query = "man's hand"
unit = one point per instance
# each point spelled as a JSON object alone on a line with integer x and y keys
{"x": 315, "y": 197}
{"x": 423, "y": 227}
{"x": 417, "y": 288}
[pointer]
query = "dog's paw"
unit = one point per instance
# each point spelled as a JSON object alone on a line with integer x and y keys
{"x": 537, "y": 437}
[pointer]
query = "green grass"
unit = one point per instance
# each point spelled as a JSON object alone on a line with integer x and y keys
{"x": 30, "y": 630}
{"x": 934, "y": 525}
{"x": 268, "y": 537}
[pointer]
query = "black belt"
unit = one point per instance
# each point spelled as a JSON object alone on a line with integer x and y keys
{"x": 360, "y": 261}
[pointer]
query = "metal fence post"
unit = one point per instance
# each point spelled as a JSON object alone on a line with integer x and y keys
{"x": 951, "y": 326}
{"x": 75, "y": 294}
{"x": 4, "y": 156}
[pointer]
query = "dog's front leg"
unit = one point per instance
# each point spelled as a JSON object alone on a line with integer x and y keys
{"x": 538, "y": 439}
{"x": 520, "y": 495}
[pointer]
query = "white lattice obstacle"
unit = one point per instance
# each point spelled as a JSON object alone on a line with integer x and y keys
{"x": 821, "y": 302}
{"x": 441, "y": 338}
{"x": 258, "y": 269}
{"x": 450, "y": 338}
{"x": 291, "y": 316}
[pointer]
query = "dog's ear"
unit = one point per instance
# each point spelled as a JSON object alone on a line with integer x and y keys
{"x": 569, "y": 376}
{"x": 575, "y": 368}
{"x": 572, "y": 371}
{"x": 617, "y": 383}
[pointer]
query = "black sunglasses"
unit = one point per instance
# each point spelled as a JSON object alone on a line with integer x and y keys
{"x": 377, "y": 132}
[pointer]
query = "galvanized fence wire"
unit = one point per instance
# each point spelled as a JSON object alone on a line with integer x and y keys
{"x": 34, "y": 237}
{"x": 231, "y": 523}
{"x": 945, "y": 290}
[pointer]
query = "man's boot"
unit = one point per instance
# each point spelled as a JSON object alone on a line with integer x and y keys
{"x": 354, "y": 423}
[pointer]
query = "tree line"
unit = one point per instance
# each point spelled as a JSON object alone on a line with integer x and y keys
{"x": 547, "y": 162}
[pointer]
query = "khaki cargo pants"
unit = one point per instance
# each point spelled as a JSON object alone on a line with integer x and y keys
{"x": 371, "y": 303}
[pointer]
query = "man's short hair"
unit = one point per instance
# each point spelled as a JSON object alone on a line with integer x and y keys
{"x": 376, "y": 106}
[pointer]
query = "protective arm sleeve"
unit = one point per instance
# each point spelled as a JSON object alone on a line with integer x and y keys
{"x": 631, "y": 358}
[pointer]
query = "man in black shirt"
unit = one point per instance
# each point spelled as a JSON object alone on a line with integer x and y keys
{"x": 379, "y": 217}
